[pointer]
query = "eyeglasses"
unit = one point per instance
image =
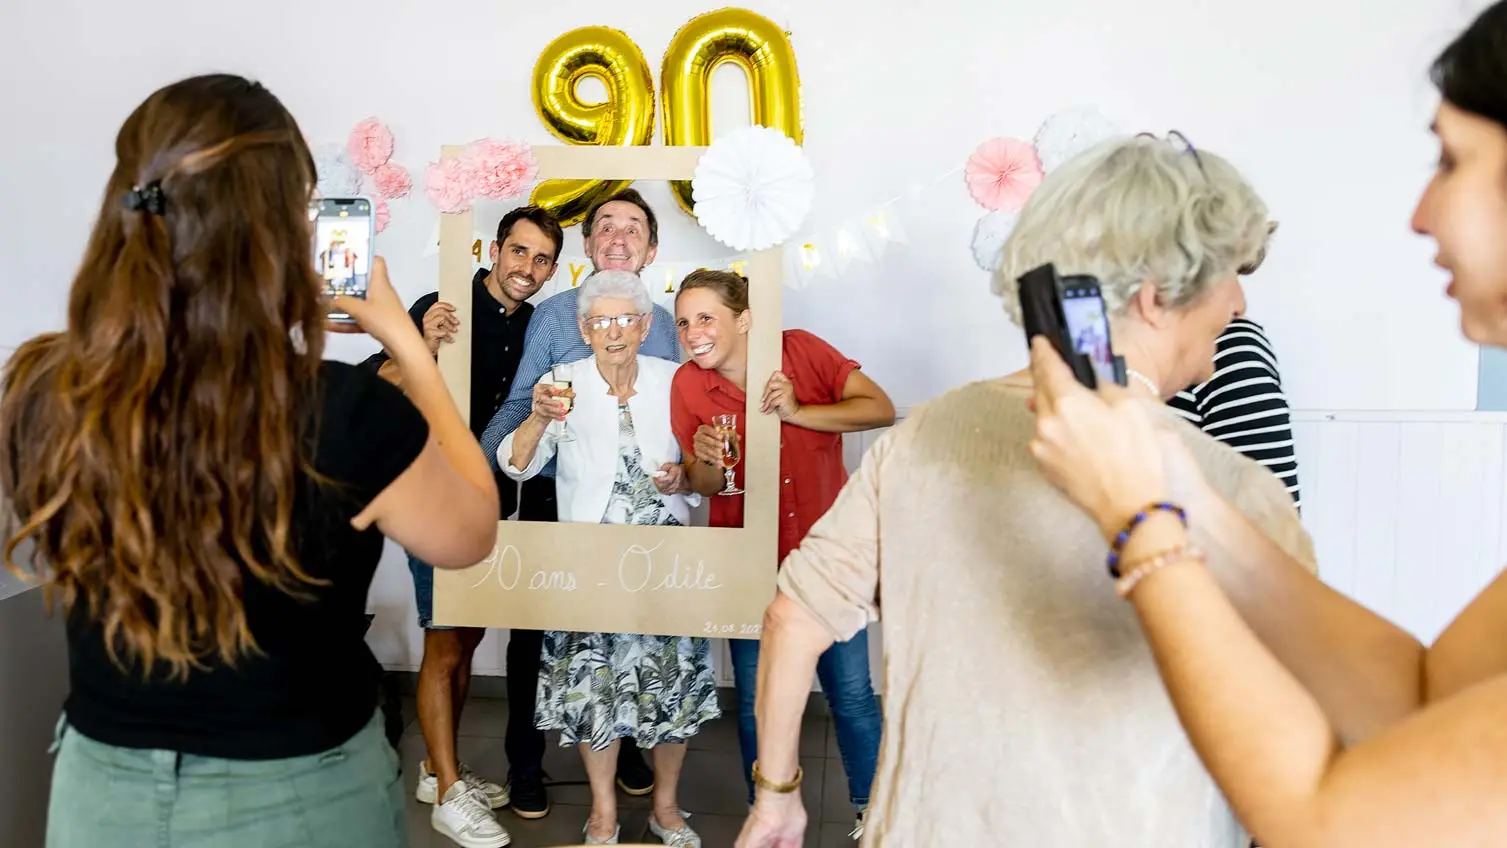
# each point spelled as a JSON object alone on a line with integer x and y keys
{"x": 602, "y": 322}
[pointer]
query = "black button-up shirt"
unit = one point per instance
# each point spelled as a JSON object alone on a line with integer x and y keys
{"x": 496, "y": 346}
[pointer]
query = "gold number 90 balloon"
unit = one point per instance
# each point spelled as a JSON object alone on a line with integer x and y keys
{"x": 751, "y": 41}
{"x": 626, "y": 117}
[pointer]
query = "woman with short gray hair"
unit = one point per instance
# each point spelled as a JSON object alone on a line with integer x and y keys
{"x": 625, "y": 286}
{"x": 1029, "y": 710}
{"x": 598, "y": 689}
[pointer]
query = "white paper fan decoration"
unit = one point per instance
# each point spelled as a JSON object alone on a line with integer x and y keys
{"x": 337, "y": 175}
{"x": 1070, "y": 132}
{"x": 989, "y": 236}
{"x": 753, "y": 188}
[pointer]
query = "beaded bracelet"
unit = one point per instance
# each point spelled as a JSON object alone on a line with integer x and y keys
{"x": 1142, "y": 568}
{"x": 1118, "y": 546}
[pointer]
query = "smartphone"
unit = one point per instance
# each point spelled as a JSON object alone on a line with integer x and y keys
{"x": 344, "y": 231}
{"x": 1070, "y": 312}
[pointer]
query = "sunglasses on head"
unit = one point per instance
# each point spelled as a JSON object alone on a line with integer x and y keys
{"x": 1177, "y": 138}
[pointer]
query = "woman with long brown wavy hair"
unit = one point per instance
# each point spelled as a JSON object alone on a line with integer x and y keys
{"x": 208, "y": 498}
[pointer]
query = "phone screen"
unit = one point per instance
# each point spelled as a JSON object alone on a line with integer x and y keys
{"x": 1088, "y": 327}
{"x": 343, "y": 234}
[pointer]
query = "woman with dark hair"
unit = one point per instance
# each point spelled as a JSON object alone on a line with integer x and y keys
{"x": 208, "y": 498}
{"x": 1323, "y": 723}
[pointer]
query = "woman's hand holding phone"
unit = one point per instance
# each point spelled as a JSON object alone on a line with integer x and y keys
{"x": 382, "y": 316}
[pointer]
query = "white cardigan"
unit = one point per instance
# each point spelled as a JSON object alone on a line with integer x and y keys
{"x": 588, "y": 465}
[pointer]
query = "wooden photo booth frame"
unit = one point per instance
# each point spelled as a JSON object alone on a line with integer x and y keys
{"x": 674, "y": 581}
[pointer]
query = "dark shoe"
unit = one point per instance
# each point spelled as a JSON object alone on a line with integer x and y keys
{"x": 529, "y": 800}
{"x": 633, "y": 774}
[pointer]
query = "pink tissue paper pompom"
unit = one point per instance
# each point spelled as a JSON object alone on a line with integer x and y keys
{"x": 500, "y": 170}
{"x": 1002, "y": 173}
{"x": 381, "y": 215}
{"x": 392, "y": 181}
{"x": 448, "y": 185}
{"x": 370, "y": 145}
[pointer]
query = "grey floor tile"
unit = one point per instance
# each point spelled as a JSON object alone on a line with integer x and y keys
{"x": 833, "y": 835}
{"x": 711, "y": 788}
{"x": 720, "y": 735}
{"x": 836, "y": 806}
{"x": 814, "y": 733}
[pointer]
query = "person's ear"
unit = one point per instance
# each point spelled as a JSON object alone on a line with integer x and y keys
{"x": 1146, "y": 304}
{"x": 744, "y": 321}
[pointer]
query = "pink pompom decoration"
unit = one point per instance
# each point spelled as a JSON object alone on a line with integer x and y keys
{"x": 448, "y": 185}
{"x": 370, "y": 145}
{"x": 1002, "y": 173}
{"x": 392, "y": 181}
{"x": 500, "y": 170}
{"x": 381, "y": 215}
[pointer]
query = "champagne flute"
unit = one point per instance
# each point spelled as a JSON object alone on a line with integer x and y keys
{"x": 726, "y": 426}
{"x": 559, "y": 380}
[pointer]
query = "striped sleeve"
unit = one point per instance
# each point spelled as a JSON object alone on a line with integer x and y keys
{"x": 1243, "y": 404}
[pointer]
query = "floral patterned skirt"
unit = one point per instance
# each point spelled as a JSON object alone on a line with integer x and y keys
{"x": 600, "y": 687}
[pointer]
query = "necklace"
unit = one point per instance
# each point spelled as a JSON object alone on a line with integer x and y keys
{"x": 1143, "y": 380}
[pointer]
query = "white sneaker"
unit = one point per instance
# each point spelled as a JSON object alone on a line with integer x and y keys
{"x": 429, "y": 787}
{"x": 463, "y": 817}
{"x": 857, "y": 834}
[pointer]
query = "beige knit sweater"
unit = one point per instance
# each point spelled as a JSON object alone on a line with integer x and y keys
{"x": 1022, "y": 704}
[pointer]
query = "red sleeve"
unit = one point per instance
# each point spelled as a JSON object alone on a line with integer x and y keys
{"x": 683, "y": 421}
{"x": 820, "y": 361}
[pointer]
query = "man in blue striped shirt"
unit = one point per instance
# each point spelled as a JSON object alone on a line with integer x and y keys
{"x": 622, "y": 234}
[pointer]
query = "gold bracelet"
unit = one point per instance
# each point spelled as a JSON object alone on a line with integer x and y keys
{"x": 1141, "y": 569}
{"x": 778, "y": 788}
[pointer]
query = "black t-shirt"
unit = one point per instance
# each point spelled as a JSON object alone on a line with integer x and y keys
{"x": 496, "y": 348}
{"x": 316, "y": 682}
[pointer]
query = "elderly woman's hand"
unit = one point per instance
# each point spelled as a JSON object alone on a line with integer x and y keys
{"x": 1104, "y": 450}
{"x": 547, "y": 404}
{"x": 671, "y": 479}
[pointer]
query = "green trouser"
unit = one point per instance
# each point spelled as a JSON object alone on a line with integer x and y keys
{"x": 109, "y": 797}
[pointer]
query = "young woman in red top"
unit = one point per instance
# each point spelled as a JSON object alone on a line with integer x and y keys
{"x": 819, "y": 394}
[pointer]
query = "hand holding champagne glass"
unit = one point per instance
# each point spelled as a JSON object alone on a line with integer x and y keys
{"x": 727, "y": 430}
{"x": 560, "y": 385}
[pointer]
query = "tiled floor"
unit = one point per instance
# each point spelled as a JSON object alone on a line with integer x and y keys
{"x": 711, "y": 788}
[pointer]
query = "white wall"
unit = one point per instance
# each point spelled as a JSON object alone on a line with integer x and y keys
{"x": 1325, "y": 105}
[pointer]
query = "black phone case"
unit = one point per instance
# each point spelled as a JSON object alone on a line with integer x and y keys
{"x": 1041, "y": 313}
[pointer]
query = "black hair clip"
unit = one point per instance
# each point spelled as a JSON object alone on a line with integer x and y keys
{"x": 148, "y": 197}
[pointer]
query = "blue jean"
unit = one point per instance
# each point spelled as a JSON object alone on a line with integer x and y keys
{"x": 843, "y": 671}
{"x": 423, "y": 592}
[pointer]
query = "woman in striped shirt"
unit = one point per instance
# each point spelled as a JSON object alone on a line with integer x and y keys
{"x": 1243, "y": 404}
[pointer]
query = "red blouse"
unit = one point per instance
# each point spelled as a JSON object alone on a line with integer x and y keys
{"x": 811, "y": 466}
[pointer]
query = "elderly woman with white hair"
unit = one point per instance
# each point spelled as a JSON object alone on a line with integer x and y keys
{"x": 619, "y": 463}
{"x": 1024, "y": 706}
